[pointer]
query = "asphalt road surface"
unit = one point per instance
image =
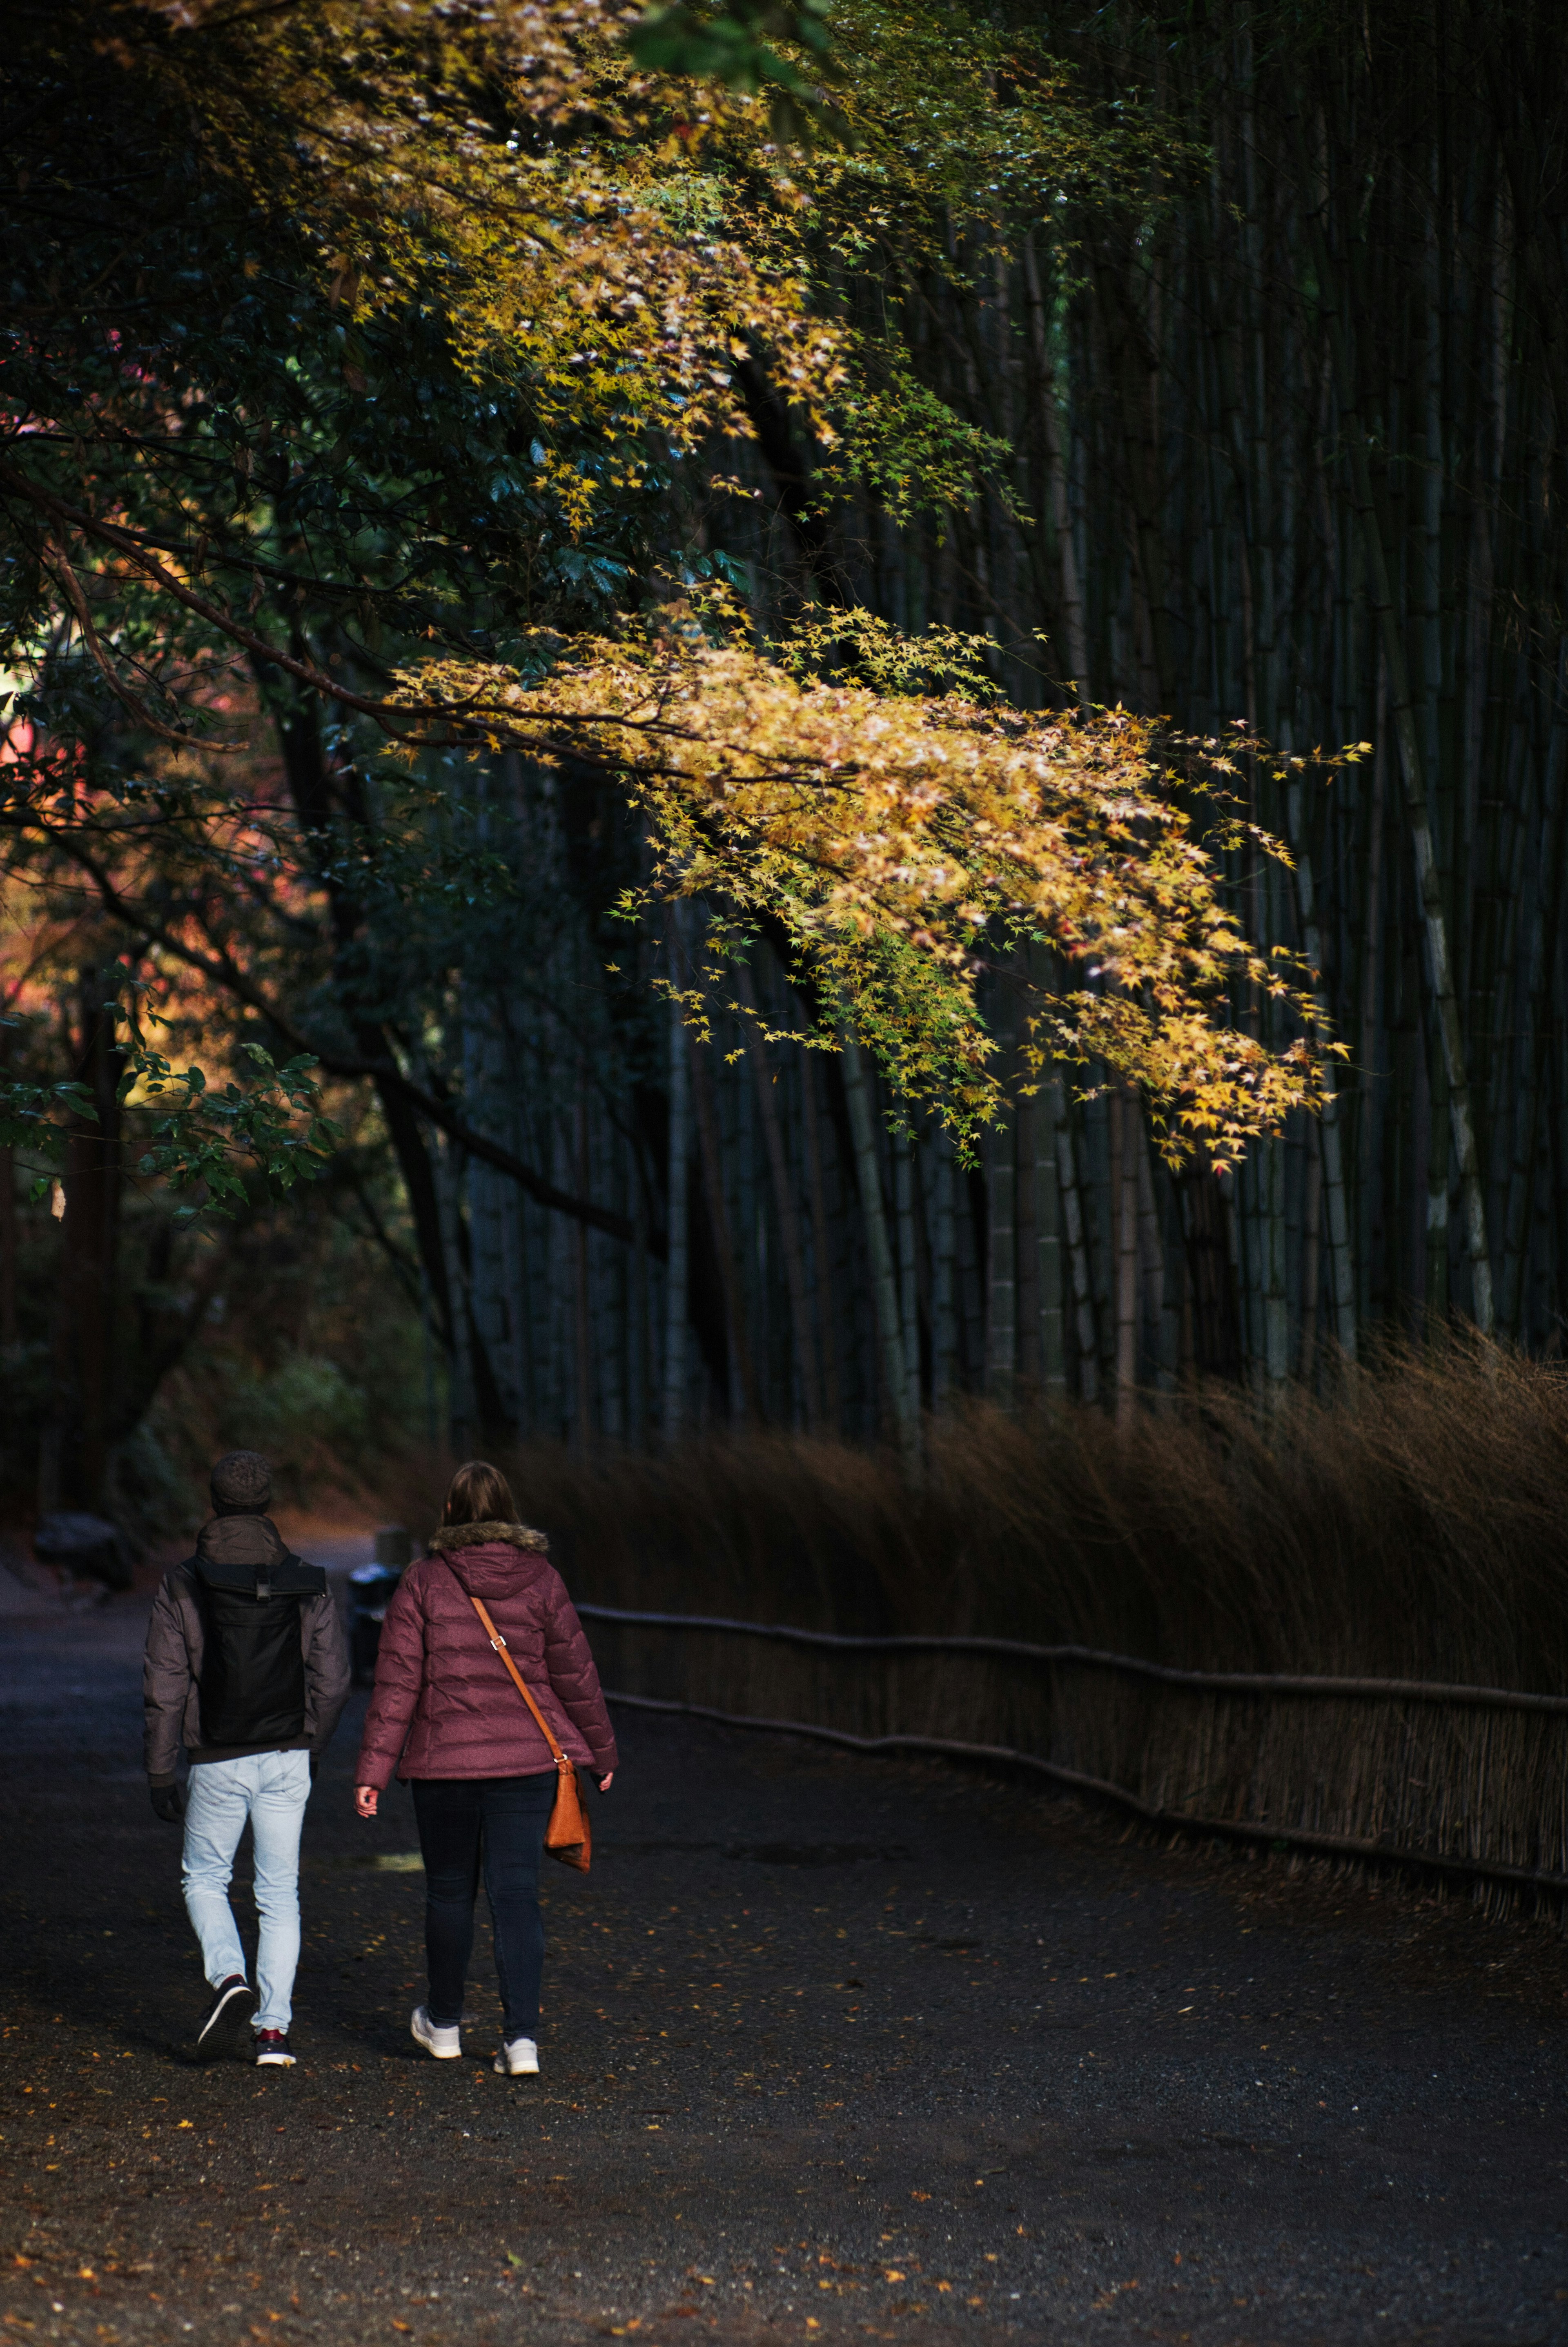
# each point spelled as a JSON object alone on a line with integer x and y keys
{"x": 833, "y": 2049}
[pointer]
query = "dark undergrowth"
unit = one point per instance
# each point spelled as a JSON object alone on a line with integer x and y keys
{"x": 1415, "y": 1524}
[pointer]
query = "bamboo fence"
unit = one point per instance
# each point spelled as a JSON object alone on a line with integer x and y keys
{"x": 1468, "y": 1782}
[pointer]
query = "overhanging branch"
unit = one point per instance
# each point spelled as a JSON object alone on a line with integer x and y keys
{"x": 223, "y": 972}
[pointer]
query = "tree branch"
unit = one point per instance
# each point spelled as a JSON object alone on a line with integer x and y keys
{"x": 223, "y": 972}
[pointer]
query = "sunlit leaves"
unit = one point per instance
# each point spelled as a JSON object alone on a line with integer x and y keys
{"x": 906, "y": 844}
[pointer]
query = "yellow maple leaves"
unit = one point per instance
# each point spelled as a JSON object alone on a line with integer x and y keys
{"x": 509, "y": 169}
{"x": 910, "y": 844}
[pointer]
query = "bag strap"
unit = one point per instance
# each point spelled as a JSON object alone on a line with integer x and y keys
{"x": 499, "y": 1644}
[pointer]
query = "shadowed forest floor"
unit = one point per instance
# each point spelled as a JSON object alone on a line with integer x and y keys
{"x": 832, "y": 2049}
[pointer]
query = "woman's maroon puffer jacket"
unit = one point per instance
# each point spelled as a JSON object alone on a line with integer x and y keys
{"x": 443, "y": 1704}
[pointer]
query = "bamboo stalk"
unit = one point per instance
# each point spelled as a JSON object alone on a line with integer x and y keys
{"x": 908, "y": 1272}
{"x": 884, "y": 1280}
{"x": 1330, "y": 1157}
{"x": 1545, "y": 943}
{"x": 677, "y": 1269}
{"x": 1124, "y": 1198}
{"x": 583, "y": 1419}
{"x": 783, "y": 1202}
{"x": 1077, "y": 1248}
{"x": 1002, "y": 1297}
{"x": 944, "y": 1273}
{"x": 1417, "y": 814}
{"x": 1151, "y": 1259}
{"x": 1044, "y": 1124}
{"x": 743, "y": 1396}
{"x": 821, "y": 1247}
{"x": 461, "y": 1411}
{"x": 1311, "y": 1256}
{"x": 1056, "y": 476}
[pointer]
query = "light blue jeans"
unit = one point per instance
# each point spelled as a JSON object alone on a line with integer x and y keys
{"x": 270, "y": 1789}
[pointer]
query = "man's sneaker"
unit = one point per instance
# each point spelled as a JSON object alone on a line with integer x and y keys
{"x": 445, "y": 2043}
{"x": 225, "y": 2004}
{"x": 272, "y": 2050}
{"x": 518, "y": 2059}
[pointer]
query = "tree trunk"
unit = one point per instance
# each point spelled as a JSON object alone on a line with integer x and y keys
{"x": 7, "y": 1246}
{"x": 74, "y": 1469}
{"x": 1216, "y": 1320}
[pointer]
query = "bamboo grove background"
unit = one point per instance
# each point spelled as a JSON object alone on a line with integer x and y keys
{"x": 1287, "y": 452}
{"x": 1283, "y": 459}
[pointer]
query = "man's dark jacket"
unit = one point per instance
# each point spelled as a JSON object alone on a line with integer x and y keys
{"x": 245, "y": 1652}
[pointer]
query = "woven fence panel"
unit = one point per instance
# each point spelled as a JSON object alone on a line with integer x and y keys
{"x": 1424, "y": 1778}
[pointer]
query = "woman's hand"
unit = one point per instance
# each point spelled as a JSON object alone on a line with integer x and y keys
{"x": 605, "y": 1782}
{"x": 365, "y": 1798}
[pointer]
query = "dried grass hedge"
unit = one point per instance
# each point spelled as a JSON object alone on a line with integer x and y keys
{"x": 1413, "y": 1526}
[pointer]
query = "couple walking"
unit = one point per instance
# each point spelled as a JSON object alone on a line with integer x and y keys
{"x": 246, "y": 1672}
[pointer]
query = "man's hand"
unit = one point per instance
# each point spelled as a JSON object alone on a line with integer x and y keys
{"x": 365, "y": 1798}
{"x": 167, "y": 1803}
{"x": 606, "y": 1782}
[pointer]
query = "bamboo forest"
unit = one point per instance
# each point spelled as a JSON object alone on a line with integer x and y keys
{"x": 481, "y": 665}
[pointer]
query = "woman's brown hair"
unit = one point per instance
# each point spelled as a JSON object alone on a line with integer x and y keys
{"x": 479, "y": 1494}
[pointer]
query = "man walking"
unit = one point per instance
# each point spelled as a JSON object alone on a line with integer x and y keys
{"x": 246, "y": 1669}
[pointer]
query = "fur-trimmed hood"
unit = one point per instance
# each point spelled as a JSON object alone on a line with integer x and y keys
{"x": 453, "y": 1536}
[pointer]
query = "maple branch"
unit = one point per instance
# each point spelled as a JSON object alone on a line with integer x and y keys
{"x": 70, "y": 585}
{"x": 135, "y": 550}
{"x": 221, "y": 970}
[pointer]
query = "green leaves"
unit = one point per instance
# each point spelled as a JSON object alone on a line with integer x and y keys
{"x": 270, "y": 1126}
{"x": 30, "y": 1115}
{"x": 274, "y": 1123}
{"x": 735, "y": 44}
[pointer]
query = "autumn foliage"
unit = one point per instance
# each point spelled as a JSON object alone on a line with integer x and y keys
{"x": 903, "y": 840}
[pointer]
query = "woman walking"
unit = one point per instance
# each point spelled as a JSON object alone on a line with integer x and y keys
{"x": 446, "y": 1715}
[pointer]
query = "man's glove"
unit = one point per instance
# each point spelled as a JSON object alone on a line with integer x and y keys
{"x": 167, "y": 1803}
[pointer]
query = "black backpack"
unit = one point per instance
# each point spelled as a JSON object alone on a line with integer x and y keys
{"x": 253, "y": 1686}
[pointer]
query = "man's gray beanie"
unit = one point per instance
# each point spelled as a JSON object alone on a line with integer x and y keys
{"x": 243, "y": 1483}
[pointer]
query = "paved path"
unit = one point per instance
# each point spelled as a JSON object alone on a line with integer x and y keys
{"x": 833, "y": 2049}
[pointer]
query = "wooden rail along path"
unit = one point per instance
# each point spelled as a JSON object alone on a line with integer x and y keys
{"x": 1457, "y": 1781}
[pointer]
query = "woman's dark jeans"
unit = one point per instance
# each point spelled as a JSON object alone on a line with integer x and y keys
{"x": 502, "y": 1820}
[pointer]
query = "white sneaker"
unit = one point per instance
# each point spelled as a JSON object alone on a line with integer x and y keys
{"x": 521, "y": 2059}
{"x": 446, "y": 2044}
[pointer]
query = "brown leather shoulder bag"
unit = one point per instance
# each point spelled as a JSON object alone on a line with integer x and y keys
{"x": 567, "y": 1835}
